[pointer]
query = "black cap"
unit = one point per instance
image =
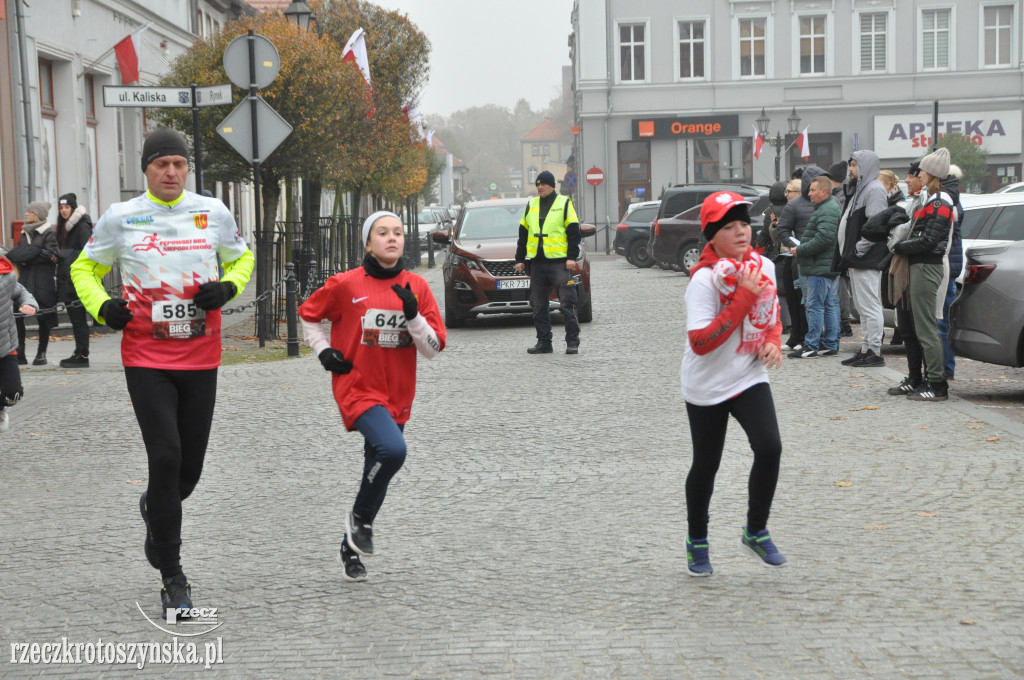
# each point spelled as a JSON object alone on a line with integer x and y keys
{"x": 545, "y": 178}
{"x": 162, "y": 142}
{"x": 837, "y": 172}
{"x": 915, "y": 168}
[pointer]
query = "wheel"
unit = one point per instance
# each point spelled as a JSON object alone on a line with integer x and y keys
{"x": 689, "y": 253}
{"x": 451, "y": 319}
{"x": 585, "y": 311}
{"x": 639, "y": 255}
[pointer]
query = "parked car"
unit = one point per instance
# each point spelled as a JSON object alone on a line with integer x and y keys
{"x": 1014, "y": 188}
{"x": 987, "y": 318}
{"x": 431, "y": 219}
{"x": 479, "y": 269}
{"x": 634, "y": 232}
{"x": 675, "y": 237}
{"x": 991, "y": 219}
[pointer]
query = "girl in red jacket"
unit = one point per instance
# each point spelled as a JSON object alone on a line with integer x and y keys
{"x": 381, "y": 316}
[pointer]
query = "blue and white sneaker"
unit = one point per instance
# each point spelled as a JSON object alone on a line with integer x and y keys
{"x": 697, "y": 561}
{"x": 761, "y": 545}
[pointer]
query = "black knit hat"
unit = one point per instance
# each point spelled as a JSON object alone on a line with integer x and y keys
{"x": 837, "y": 172}
{"x": 162, "y": 142}
{"x": 777, "y": 193}
{"x": 915, "y": 167}
{"x": 546, "y": 178}
{"x": 69, "y": 200}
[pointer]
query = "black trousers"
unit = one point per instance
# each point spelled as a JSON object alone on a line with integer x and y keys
{"x": 545, "y": 275}
{"x": 175, "y": 412}
{"x": 80, "y": 326}
{"x": 47, "y": 322}
{"x": 10, "y": 380}
{"x": 915, "y": 353}
{"x": 754, "y": 409}
{"x": 794, "y": 301}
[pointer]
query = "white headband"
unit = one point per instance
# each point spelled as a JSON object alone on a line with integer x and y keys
{"x": 368, "y": 224}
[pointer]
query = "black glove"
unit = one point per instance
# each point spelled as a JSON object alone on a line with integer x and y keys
{"x": 213, "y": 294}
{"x": 115, "y": 313}
{"x": 333, "y": 360}
{"x": 409, "y": 305}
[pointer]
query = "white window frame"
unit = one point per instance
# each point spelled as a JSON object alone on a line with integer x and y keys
{"x": 890, "y": 19}
{"x": 647, "y": 51}
{"x": 829, "y": 41}
{"x": 675, "y": 50}
{"x": 952, "y": 38}
{"x": 769, "y": 47}
{"x": 1014, "y": 8}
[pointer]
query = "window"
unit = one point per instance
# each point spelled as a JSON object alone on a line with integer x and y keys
{"x": 632, "y": 53}
{"x": 1009, "y": 226}
{"x": 998, "y": 22}
{"x": 812, "y": 44}
{"x": 547, "y": 149}
{"x": 90, "y": 97}
{"x": 46, "y": 84}
{"x": 872, "y": 42}
{"x": 535, "y": 150}
{"x": 935, "y": 38}
{"x": 752, "y": 47}
{"x": 691, "y": 49}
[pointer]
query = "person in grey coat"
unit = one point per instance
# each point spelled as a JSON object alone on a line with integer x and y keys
{"x": 864, "y": 260}
{"x": 12, "y": 294}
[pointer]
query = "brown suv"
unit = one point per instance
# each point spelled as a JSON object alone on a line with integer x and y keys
{"x": 479, "y": 270}
{"x": 676, "y": 232}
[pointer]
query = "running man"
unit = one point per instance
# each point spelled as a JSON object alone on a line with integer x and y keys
{"x": 167, "y": 242}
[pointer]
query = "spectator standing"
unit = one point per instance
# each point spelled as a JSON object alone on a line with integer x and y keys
{"x": 36, "y": 257}
{"x": 864, "y": 260}
{"x": 74, "y": 229}
{"x": 951, "y": 185}
{"x": 819, "y": 281}
{"x": 791, "y": 228}
{"x": 13, "y": 296}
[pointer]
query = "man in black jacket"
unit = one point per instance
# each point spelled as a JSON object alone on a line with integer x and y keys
{"x": 794, "y": 218}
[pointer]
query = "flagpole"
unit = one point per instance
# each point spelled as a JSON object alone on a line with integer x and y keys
{"x": 105, "y": 54}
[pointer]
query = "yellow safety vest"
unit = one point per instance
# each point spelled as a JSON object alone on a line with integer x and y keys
{"x": 560, "y": 215}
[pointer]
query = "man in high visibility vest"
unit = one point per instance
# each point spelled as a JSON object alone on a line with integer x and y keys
{"x": 549, "y": 237}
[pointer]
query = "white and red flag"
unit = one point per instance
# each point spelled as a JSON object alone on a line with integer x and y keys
{"x": 355, "y": 51}
{"x": 413, "y": 117}
{"x": 127, "y": 52}
{"x": 803, "y": 143}
{"x": 758, "y": 143}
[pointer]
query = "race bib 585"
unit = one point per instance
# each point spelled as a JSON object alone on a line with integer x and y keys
{"x": 178, "y": 319}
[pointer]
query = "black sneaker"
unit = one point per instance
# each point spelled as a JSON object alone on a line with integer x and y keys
{"x": 828, "y": 353}
{"x": 804, "y": 354}
{"x": 869, "y": 360}
{"x": 572, "y": 349}
{"x": 848, "y": 361}
{"x": 929, "y": 391}
{"x": 76, "y": 360}
{"x": 359, "y": 535}
{"x": 540, "y": 348}
{"x": 148, "y": 546}
{"x": 354, "y": 569}
{"x": 846, "y": 331}
{"x": 177, "y": 594}
{"x": 905, "y": 387}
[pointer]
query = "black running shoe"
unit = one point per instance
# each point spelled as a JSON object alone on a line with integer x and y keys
{"x": 853, "y": 359}
{"x": 354, "y": 569}
{"x": 869, "y": 360}
{"x": 148, "y": 547}
{"x": 906, "y": 386}
{"x": 177, "y": 594}
{"x": 359, "y": 535}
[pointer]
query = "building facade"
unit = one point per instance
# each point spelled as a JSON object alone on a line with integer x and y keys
{"x": 56, "y": 135}
{"x": 669, "y": 93}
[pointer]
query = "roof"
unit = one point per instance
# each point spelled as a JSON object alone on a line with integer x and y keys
{"x": 547, "y": 131}
{"x": 269, "y": 5}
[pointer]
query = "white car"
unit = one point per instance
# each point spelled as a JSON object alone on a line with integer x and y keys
{"x": 1014, "y": 188}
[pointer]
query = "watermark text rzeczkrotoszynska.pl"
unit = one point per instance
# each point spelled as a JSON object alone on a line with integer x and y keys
{"x": 139, "y": 654}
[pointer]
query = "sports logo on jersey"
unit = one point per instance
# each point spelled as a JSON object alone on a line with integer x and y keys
{"x": 201, "y": 221}
{"x": 151, "y": 242}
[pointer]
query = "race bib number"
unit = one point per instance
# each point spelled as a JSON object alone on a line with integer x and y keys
{"x": 385, "y": 328}
{"x": 178, "y": 320}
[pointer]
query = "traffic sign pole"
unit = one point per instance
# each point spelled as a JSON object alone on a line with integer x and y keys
{"x": 197, "y": 145}
{"x": 261, "y": 271}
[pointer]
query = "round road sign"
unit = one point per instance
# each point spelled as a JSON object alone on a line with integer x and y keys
{"x": 494, "y": 186}
{"x": 236, "y": 61}
{"x": 595, "y": 176}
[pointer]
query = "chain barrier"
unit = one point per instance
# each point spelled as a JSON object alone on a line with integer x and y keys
{"x": 63, "y": 306}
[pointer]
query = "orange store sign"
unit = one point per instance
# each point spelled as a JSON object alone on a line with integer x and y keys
{"x": 693, "y": 127}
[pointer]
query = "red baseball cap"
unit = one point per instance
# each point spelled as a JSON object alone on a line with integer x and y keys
{"x": 717, "y": 206}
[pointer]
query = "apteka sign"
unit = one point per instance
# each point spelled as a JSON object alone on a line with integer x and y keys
{"x": 910, "y": 135}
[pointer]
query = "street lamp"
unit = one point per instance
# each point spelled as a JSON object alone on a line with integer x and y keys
{"x": 763, "y": 122}
{"x": 300, "y": 14}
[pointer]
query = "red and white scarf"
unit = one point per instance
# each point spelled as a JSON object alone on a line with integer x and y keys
{"x": 763, "y": 314}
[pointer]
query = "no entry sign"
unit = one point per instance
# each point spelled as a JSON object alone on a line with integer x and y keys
{"x": 595, "y": 176}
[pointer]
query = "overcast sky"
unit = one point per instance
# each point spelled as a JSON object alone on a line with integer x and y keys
{"x": 489, "y": 51}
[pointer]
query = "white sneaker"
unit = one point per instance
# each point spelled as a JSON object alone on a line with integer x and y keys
{"x": 5, "y": 421}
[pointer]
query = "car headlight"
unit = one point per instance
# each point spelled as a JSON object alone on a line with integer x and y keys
{"x": 468, "y": 262}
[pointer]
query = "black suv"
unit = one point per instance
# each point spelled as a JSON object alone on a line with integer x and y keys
{"x": 674, "y": 238}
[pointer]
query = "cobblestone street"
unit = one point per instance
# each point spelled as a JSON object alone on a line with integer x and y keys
{"x": 537, "y": 528}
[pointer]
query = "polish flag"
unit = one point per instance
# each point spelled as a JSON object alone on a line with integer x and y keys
{"x": 803, "y": 143}
{"x": 413, "y": 118}
{"x": 127, "y": 52}
{"x": 355, "y": 51}
{"x": 758, "y": 143}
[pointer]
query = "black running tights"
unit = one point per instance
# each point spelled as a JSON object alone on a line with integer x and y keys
{"x": 175, "y": 411}
{"x": 755, "y": 411}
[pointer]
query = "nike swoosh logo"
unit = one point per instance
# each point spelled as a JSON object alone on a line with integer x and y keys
{"x": 356, "y": 301}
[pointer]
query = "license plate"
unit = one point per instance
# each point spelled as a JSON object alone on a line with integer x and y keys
{"x": 509, "y": 284}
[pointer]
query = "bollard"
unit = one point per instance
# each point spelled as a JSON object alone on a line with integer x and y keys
{"x": 291, "y": 310}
